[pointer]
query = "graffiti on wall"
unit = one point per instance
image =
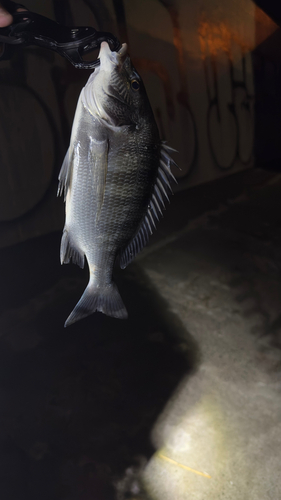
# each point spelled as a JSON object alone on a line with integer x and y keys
{"x": 217, "y": 133}
{"x": 230, "y": 91}
{"x": 197, "y": 67}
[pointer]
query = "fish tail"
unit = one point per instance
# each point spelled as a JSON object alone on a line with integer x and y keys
{"x": 104, "y": 299}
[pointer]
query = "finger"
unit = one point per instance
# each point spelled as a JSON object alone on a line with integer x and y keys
{"x": 5, "y": 18}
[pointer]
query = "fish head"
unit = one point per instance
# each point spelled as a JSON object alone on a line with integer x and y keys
{"x": 115, "y": 92}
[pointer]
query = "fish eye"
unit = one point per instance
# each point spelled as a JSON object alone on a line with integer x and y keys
{"x": 135, "y": 85}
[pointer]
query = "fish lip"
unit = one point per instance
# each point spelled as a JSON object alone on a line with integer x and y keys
{"x": 112, "y": 57}
{"x": 123, "y": 51}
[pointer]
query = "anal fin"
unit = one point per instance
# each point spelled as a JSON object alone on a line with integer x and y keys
{"x": 65, "y": 174}
{"x": 68, "y": 251}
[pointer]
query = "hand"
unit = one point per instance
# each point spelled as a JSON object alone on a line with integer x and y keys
{"x": 5, "y": 17}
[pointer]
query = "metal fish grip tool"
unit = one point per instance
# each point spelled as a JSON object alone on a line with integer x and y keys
{"x": 72, "y": 43}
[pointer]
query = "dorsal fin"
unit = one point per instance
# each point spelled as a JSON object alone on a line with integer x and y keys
{"x": 153, "y": 212}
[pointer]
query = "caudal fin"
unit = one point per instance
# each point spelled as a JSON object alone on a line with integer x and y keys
{"x": 104, "y": 299}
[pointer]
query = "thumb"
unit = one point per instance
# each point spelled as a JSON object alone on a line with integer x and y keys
{"x": 5, "y": 17}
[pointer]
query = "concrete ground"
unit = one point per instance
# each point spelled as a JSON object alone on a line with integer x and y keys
{"x": 183, "y": 400}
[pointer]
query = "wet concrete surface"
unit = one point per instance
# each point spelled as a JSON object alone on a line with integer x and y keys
{"x": 97, "y": 410}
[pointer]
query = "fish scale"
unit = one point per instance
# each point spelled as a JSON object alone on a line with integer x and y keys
{"x": 113, "y": 178}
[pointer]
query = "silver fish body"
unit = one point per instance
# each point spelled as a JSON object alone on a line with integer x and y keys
{"x": 114, "y": 177}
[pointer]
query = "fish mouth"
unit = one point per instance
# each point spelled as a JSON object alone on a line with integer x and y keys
{"x": 101, "y": 85}
{"x": 108, "y": 58}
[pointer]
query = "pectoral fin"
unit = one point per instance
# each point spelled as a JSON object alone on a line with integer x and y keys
{"x": 99, "y": 162}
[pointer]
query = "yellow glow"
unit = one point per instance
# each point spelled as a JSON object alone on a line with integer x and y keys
{"x": 160, "y": 455}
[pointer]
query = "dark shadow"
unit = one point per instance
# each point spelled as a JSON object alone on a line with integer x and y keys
{"x": 267, "y": 77}
{"x": 79, "y": 403}
{"x": 271, "y": 8}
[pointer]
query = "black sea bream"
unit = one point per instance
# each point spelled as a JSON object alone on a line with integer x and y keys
{"x": 114, "y": 176}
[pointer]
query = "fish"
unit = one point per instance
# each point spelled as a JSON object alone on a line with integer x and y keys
{"x": 115, "y": 178}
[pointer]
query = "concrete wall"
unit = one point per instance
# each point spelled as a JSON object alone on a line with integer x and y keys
{"x": 195, "y": 60}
